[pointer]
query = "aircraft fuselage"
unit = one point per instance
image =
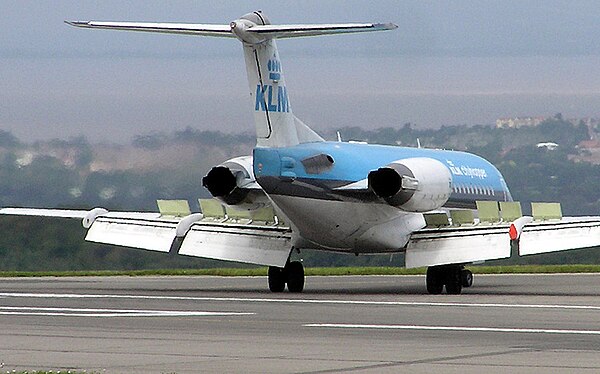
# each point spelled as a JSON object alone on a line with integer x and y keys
{"x": 308, "y": 183}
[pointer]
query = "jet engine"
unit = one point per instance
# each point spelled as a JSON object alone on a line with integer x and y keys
{"x": 233, "y": 183}
{"x": 412, "y": 184}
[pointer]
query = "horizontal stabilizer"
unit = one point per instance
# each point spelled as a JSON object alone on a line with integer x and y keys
{"x": 162, "y": 27}
{"x": 266, "y": 31}
{"x": 296, "y": 31}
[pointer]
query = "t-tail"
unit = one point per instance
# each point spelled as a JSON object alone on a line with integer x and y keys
{"x": 276, "y": 125}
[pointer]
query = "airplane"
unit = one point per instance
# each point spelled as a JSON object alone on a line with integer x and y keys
{"x": 339, "y": 196}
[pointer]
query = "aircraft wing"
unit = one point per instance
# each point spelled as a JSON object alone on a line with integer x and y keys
{"x": 258, "y": 241}
{"x": 481, "y": 241}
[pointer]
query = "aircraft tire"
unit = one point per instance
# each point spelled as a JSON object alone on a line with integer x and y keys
{"x": 276, "y": 279}
{"x": 466, "y": 278}
{"x": 454, "y": 280}
{"x": 295, "y": 276}
{"x": 434, "y": 280}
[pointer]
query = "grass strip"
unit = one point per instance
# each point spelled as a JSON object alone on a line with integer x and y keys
{"x": 316, "y": 271}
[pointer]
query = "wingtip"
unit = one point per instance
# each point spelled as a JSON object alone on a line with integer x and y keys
{"x": 388, "y": 26}
{"x": 77, "y": 23}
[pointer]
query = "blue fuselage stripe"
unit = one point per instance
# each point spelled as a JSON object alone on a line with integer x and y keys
{"x": 473, "y": 178}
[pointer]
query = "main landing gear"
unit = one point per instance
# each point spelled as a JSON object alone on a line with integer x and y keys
{"x": 292, "y": 274}
{"x": 454, "y": 277}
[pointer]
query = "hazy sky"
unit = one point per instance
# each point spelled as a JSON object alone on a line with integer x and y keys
{"x": 448, "y": 63}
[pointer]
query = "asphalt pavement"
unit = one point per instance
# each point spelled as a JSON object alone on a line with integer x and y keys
{"x": 362, "y": 324}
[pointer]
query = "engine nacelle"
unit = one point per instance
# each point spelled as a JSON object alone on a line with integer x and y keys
{"x": 412, "y": 184}
{"x": 233, "y": 183}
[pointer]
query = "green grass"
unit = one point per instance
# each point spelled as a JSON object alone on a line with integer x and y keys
{"x": 262, "y": 271}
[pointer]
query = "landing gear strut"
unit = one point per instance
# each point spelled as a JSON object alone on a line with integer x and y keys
{"x": 292, "y": 274}
{"x": 454, "y": 277}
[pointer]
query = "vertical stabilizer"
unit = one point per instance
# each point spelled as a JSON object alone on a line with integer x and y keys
{"x": 273, "y": 117}
{"x": 276, "y": 125}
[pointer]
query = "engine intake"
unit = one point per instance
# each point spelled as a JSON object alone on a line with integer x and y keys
{"x": 220, "y": 181}
{"x": 395, "y": 183}
{"x": 413, "y": 184}
{"x": 233, "y": 183}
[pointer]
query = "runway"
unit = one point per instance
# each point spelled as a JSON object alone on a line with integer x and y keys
{"x": 370, "y": 324}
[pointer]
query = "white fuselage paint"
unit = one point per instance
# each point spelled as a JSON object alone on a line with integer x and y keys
{"x": 356, "y": 227}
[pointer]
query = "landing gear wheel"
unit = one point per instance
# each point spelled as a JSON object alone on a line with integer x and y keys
{"x": 276, "y": 279}
{"x": 295, "y": 276}
{"x": 454, "y": 280}
{"x": 467, "y": 278}
{"x": 434, "y": 279}
{"x": 454, "y": 277}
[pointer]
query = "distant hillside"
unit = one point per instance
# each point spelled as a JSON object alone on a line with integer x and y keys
{"x": 76, "y": 173}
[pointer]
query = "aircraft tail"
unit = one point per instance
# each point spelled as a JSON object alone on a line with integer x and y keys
{"x": 276, "y": 125}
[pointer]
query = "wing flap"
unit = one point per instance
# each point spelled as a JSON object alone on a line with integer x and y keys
{"x": 192, "y": 235}
{"x": 567, "y": 233}
{"x": 457, "y": 245}
{"x": 474, "y": 243}
{"x": 255, "y": 244}
{"x": 153, "y": 235}
{"x": 261, "y": 245}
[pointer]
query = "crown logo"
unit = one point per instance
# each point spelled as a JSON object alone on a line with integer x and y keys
{"x": 274, "y": 66}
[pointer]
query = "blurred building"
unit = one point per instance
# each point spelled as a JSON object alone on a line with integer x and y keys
{"x": 516, "y": 122}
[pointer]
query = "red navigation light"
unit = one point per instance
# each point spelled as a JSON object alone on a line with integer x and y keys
{"x": 513, "y": 233}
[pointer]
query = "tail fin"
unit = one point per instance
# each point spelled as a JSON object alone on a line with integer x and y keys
{"x": 276, "y": 126}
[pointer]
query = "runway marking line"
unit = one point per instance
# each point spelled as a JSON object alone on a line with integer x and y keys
{"x": 91, "y": 312}
{"x": 303, "y": 301}
{"x": 454, "y": 328}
